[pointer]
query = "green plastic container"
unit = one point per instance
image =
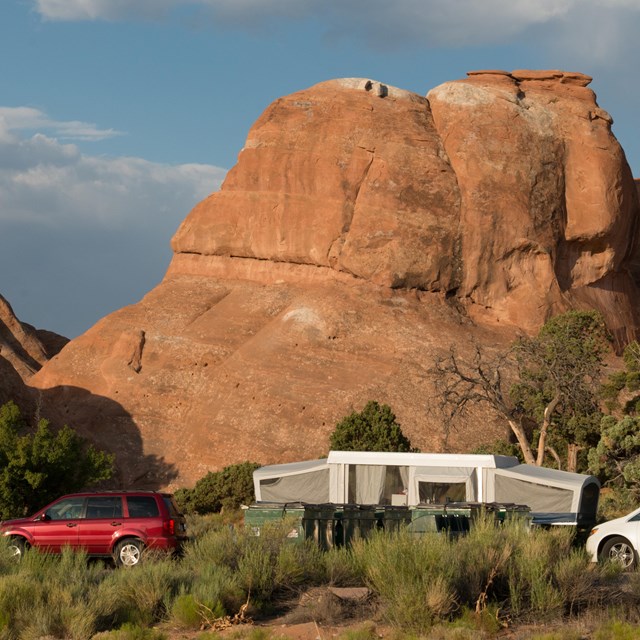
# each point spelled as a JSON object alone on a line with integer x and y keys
{"x": 319, "y": 525}
{"x": 392, "y": 518}
{"x": 357, "y": 520}
{"x": 510, "y": 512}
{"x": 427, "y": 518}
{"x": 264, "y": 513}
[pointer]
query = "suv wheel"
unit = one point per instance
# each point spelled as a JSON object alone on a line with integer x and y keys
{"x": 17, "y": 547}
{"x": 129, "y": 552}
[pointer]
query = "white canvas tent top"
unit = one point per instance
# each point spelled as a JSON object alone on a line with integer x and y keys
{"x": 379, "y": 478}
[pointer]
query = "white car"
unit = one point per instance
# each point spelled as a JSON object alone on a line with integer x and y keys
{"x": 616, "y": 540}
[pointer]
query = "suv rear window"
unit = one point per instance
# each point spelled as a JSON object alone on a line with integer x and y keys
{"x": 142, "y": 507}
{"x": 171, "y": 506}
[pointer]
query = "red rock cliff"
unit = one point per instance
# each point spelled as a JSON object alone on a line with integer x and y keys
{"x": 363, "y": 231}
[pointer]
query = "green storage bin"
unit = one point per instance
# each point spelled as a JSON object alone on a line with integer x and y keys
{"x": 264, "y": 513}
{"x": 358, "y": 521}
{"x": 392, "y": 517}
{"x": 427, "y": 518}
{"x": 319, "y": 523}
{"x": 510, "y": 512}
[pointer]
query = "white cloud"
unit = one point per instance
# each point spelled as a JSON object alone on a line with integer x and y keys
{"x": 388, "y": 25}
{"x": 47, "y": 182}
{"x": 83, "y": 234}
{"x": 28, "y": 118}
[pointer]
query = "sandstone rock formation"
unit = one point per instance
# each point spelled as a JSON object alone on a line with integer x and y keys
{"x": 363, "y": 231}
{"x": 23, "y": 351}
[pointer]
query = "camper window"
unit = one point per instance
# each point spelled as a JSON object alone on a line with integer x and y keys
{"x": 312, "y": 486}
{"x": 376, "y": 484}
{"x": 441, "y": 492}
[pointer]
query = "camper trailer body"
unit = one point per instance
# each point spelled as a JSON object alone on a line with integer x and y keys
{"x": 381, "y": 478}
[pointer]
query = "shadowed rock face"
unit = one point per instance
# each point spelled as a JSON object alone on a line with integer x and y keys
{"x": 364, "y": 230}
{"x": 23, "y": 350}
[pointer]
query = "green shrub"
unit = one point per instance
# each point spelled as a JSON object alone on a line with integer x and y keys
{"x": 226, "y": 489}
{"x": 570, "y": 634}
{"x": 191, "y": 613}
{"x": 375, "y": 428}
{"x": 481, "y": 561}
{"x": 532, "y": 585}
{"x": 366, "y": 632}
{"x": 342, "y": 569}
{"x": 414, "y": 577}
{"x": 129, "y": 631}
{"x": 617, "y": 630}
{"x": 38, "y": 465}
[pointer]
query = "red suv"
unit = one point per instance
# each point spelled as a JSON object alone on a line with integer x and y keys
{"x": 118, "y": 524}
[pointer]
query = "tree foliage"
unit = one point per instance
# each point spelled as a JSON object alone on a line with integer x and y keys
{"x": 621, "y": 391}
{"x": 375, "y": 428}
{"x": 616, "y": 458}
{"x": 552, "y": 404}
{"x": 218, "y": 490}
{"x": 38, "y": 465}
{"x": 560, "y": 374}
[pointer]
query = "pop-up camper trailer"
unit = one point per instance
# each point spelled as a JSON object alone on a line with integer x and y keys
{"x": 362, "y": 477}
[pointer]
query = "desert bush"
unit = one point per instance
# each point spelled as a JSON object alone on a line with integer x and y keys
{"x": 218, "y": 546}
{"x": 414, "y": 577}
{"x": 532, "y": 586}
{"x": 576, "y": 578}
{"x": 129, "y": 631}
{"x": 290, "y": 562}
{"x": 342, "y": 568}
{"x": 138, "y": 595}
{"x": 367, "y": 631}
{"x": 481, "y": 562}
{"x": 47, "y": 596}
{"x": 190, "y": 613}
{"x": 200, "y": 524}
{"x": 226, "y": 489}
{"x": 616, "y": 630}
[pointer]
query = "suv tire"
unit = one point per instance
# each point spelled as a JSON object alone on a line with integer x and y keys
{"x": 17, "y": 547}
{"x": 128, "y": 552}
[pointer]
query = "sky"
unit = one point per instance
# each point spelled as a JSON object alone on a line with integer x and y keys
{"x": 118, "y": 116}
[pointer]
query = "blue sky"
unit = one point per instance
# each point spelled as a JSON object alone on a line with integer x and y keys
{"x": 117, "y": 116}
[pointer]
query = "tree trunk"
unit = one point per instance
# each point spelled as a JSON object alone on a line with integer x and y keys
{"x": 555, "y": 456}
{"x": 546, "y": 422}
{"x": 572, "y": 457}
{"x": 521, "y": 437}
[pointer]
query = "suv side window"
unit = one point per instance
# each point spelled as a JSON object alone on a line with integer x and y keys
{"x": 110, "y": 507}
{"x": 67, "y": 509}
{"x": 142, "y": 507}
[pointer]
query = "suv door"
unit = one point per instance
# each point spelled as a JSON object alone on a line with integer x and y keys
{"x": 103, "y": 518}
{"x": 58, "y": 525}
